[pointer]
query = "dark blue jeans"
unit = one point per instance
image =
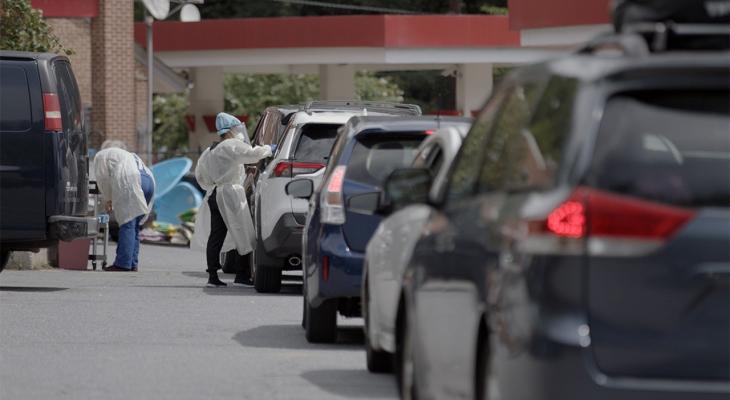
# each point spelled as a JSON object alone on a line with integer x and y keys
{"x": 128, "y": 244}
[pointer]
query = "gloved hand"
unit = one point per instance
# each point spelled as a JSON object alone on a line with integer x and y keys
{"x": 273, "y": 148}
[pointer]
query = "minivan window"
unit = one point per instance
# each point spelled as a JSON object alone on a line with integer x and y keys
{"x": 375, "y": 157}
{"x": 463, "y": 175}
{"x": 671, "y": 147}
{"x": 315, "y": 142}
{"x": 15, "y": 107}
{"x": 506, "y": 137}
{"x": 531, "y": 156}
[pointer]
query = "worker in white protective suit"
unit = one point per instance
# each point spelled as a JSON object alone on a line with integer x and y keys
{"x": 223, "y": 221}
{"x": 127, "y": 188}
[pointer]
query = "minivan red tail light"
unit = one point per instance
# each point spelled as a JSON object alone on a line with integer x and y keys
{"x": 289, "y": 168}
{"x": 52, "y": 110}
{"x": 606, "y": 214}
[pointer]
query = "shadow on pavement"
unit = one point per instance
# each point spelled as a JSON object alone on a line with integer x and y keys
{"x": 292, "y": 337}
{"x": 356, "y": 383}
{"x": 30, "y": 289}
{"x": 230, "y": 290}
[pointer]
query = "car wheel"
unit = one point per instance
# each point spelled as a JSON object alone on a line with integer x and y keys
{"x": 4, "y": 258}
{"x": 405, "y": 363}
{"x": 485, "y": 384}
{"x": 266, "y": 278}
{"x": 304, "y": 303}
{"x": 378, "y": 361}
{"x": 320, "y": 323}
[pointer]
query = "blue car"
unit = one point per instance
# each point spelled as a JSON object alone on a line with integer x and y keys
{"x": 346, "y": 210}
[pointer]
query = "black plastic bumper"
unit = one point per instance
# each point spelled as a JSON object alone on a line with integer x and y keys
{"x": 286, "y": 238}
{"x": 69, "y": 228}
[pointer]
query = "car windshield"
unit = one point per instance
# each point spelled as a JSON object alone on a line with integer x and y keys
{"x": 376, "y": 156}
{"x": 670, "y": 147}
{"x": 315, "y": 142}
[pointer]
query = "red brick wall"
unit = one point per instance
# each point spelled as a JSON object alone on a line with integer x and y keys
{"x": 112, "y": 69}
{"x": 75, "y": 34}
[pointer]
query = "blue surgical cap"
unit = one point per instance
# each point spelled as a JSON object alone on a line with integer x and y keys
{"x": 224, "y": 122}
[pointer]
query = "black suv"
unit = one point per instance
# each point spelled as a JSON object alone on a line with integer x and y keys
{"x": 43, "y": 156}
{"x": 581, "y": 248}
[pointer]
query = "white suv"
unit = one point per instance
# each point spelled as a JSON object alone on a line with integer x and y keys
{"x": 303, "y": 152}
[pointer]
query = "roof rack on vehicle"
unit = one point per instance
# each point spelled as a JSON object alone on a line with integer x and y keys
{"x": 628, "y": 44}
{"x": 372, "y": 106}
{"x": 658, "y": 33}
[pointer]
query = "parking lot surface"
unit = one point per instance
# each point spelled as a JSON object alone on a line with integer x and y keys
{"x": 159, "y": 334}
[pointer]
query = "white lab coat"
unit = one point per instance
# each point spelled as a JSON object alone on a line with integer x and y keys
{"x": 117, "y": 175}
{"x": 223, "y": 168}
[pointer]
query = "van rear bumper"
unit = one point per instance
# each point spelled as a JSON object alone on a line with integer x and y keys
{"x": 67, "y": 228}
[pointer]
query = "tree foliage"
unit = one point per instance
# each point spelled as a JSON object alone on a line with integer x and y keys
{"x": 170, "y": 132}
{"x": 268, "y": 8}
{"x": 250, "y": 94}
{"x": 24, "y": 29}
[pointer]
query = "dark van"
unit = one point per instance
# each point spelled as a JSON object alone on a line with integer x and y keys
{"x": 43, "y": 157}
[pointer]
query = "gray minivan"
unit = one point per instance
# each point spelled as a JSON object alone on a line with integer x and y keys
{"x": 43, "y": 155}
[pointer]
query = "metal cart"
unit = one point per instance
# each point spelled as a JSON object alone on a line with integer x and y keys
{"x": 102, "y": 237}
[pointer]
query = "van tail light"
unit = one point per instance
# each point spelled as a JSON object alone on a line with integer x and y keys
{"x": 52, "y": 110}
{"x": 293, "y": 168}
{"x": 325, "y": 268}
{"x": 332, "y": 205}
{"x": 613, "y": 224}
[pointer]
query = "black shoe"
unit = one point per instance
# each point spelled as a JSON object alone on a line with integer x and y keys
{"x": 214, "y": 281}
{"x": 116, "y": 269}
{"x": 243, "y": 280}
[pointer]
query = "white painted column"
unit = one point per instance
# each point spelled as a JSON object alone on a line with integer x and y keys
{"x": 206, "y": 98}
{"x": 473, "y": 87}
{"x": 336, "y": 82}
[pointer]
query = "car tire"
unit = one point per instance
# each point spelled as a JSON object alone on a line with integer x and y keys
{"x": 4, "y": 258}
{"x": 320, "y": 323}
{"x": 405, "y": 363}
{"x": 378, "y": 361}
{"x": 485, "y": 383}
{"x": 304, "y": 305}
{"x": 266, "y": 278}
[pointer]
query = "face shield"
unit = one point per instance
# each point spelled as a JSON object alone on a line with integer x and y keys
{"x": 240, "y": 132}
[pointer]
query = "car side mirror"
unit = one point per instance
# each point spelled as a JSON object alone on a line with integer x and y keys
{"x": 300, "y": 188}
{"x": 406, "y": 186}
{"x": 364, "y": 203}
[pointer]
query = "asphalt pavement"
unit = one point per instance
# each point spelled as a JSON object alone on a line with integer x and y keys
{"x": 160, "y": 334}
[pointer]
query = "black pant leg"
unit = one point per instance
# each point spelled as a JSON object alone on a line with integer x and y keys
{"x": 218, "y": 233}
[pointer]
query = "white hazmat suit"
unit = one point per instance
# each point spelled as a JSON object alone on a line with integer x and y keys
{"x": 117, "y": 174}
{"x": 223, "y": 167}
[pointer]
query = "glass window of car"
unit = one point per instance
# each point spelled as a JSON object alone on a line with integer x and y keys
{"x": 375, "y": 157}
{"x": 15, "y": 107}
{"x": 258, "y": 135}
{"x": 422, "y": 156}
{"x": 506, "y": 137}
{"x": 68, "y": 96}
{"x": 463, "y": 175}
{"x": 670, "y": 147}
{"x": 532, "y": 154}
{"x": 315, "y": 142}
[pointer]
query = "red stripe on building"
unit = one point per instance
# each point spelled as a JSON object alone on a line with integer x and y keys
{"x": 67, "y": 8}
{"x": 332, "y": 31}
{"x": 531, "y": 14}
{"x": 449, "y": 31}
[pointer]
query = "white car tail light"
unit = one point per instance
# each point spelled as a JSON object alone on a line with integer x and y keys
{"x": 332, "y": 204}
